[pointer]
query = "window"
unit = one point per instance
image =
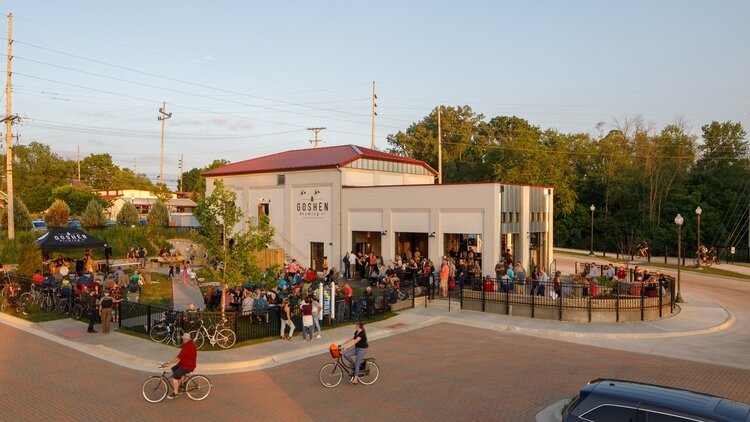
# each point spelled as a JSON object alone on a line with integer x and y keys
{"x": 647, "y": 416}
{"x": 280, "y": 179}
{"x": 611, "y": 413}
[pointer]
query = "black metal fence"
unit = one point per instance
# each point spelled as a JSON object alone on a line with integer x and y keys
{"x": 251, "y": 325}
{"x": 574, "y": 301}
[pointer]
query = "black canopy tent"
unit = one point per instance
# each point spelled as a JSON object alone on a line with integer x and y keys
{"x": 67, "y": 238}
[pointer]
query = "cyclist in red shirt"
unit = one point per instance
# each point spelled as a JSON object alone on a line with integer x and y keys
{"x": 184, "y": 363}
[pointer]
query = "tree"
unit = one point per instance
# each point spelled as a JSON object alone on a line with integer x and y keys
{"x": 37, "y": 170}
{"x": 227, "y": 234}
{"x": 58, "y": 214}
{"x": 29, "y": 257}
{"x": 128, "y": 215}
{"x": 192, "y": 181}
{"x": 97, "y": 171}
{"x": 77, "y": 199}
{"x": 460, "y": 125}
{"x": 158, "y": 215}
{"x": 21, "y": 216}
{"x": 162, "y": 192}
{"x": 93, "y": 216}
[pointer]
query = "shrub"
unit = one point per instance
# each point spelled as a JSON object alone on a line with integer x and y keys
{"x": 128, "y": 215}
{"x": 58, "y": 214}
{"x": 21, "y": 216}
{"x": 29, "y": 258}
{"x": 94, "y": 215}
{"x": 158, "y": 216}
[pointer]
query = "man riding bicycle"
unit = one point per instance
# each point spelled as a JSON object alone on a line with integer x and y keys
{"x": 184, "y": 363}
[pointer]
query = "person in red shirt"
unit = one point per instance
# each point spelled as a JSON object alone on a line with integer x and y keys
{"x": 311, "y": 275}
{"x": 37, "y": 278}
{"x": 184, "y": 363}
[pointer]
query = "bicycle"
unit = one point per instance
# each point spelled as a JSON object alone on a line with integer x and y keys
{"x": 641, "y": 253}
{"x": 218, "y": 334}
{"x": 168, "y": 330}
{"x": 331, "y": 374}
{"x": 156, "y": 387}
{"x": 12, "y": 302}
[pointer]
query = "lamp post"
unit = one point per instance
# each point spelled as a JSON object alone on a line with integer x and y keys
{"x": 698, "y": 212}
{"x": 591, "y": 249}
{"x": 679, "y": 220}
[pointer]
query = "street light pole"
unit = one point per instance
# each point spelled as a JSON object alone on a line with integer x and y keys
{"x": 591, "y": 249}
{"x": 679, "y": 220}
{"x": 698, "y": 212}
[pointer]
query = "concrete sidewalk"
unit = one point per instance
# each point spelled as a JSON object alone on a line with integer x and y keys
{"x": 695, "y": 318}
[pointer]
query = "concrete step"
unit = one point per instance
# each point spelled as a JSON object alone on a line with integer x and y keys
{"x": 453, "y": 305}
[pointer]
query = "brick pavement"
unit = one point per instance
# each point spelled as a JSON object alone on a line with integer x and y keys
{"x": 441, "y": 372}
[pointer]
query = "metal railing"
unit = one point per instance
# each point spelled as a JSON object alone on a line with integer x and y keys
{"x": 571, "y": 300}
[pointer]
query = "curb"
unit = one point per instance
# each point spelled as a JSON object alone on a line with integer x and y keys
{"x": 379, "y": 330}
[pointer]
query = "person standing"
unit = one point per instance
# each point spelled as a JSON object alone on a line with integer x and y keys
{"x": 347, "y": 261}
{"x": 444, "y": 274}
{"x": 105, "y": 311}
{"x": 317, "y": 314}
{"x": 359, "y": 341}
{"x": 134, "y": 287}
{"x": 116, "y": 293}
{"x": 92, "y": 299}
{"x": 307, "y": 319}
{"x": 286, "y": 319}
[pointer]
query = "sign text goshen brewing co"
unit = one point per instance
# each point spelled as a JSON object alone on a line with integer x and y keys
{"x": 312, "y": 208}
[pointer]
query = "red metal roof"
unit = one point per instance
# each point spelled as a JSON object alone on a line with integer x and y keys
{"x": 310, "y": 158}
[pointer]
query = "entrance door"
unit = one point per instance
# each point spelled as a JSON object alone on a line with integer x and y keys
{"x": 316, "y": 256}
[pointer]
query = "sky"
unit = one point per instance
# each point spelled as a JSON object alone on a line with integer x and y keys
{"x": 244, "y": 79}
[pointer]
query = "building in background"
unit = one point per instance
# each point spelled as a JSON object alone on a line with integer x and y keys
{"x": 180, "y": 208}
{"x": 327, "y": 201}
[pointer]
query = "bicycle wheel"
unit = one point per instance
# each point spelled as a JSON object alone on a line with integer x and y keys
{"x": 709, "y": 262}
{"x": 198, "y": 387}
{"x": 77, "y": 311}
{"x": 159, "y": 333}
{"x": 370, "y": 374}
{"x": 198, "y": 338}
{"x": 25, "y": 298}
{"x": 177, "y": 336}
{"x": 4, "y": 305}
{"x": 226, "y": 338}
{"x": 330, "y": 375}
{"x": 155, "y": 389}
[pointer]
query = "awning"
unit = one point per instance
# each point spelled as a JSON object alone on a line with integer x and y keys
{"x": 66, "y": 238}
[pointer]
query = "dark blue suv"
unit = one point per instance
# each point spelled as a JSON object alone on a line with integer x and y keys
{"x": 624, "y": 401}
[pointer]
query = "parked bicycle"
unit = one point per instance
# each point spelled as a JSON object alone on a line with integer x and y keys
{"x": 168, "y": 330}
{"x": 217, "y": 334}
{"x": 156, "y": 388}
{"x": 331, "y": 374}
{"x": 12, "y": 303}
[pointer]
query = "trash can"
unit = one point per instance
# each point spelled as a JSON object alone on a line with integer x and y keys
{"x": 635, "y": 288}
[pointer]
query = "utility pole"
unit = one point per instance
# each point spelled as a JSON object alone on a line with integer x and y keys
{"x": 163, "y": 115}
{"x": 182, "y": 161}
{"x": 440, "y": 149}
{"x": 316, "y": 130}
{"x": 8, "y": 134}
{"x": 374, "y": 114}
{"x": 78, "y": 160}
{"x": 135, "y": 165}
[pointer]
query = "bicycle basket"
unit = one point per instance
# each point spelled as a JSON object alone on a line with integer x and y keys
{"x": 335, "y": 352}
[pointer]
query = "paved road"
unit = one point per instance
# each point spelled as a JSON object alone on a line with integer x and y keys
{"x": 728, "y": 346}
{"x": 445, "y": 372}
